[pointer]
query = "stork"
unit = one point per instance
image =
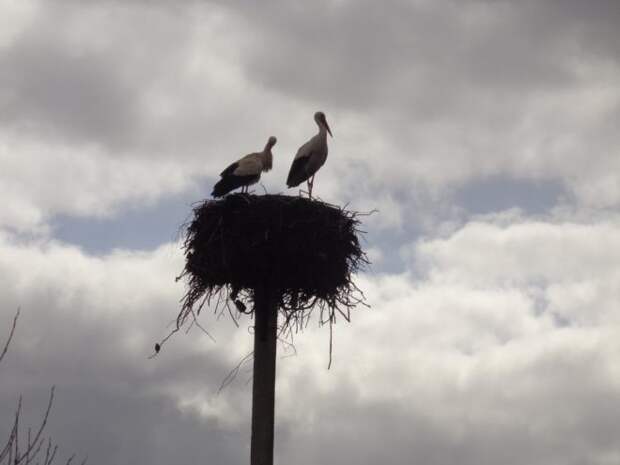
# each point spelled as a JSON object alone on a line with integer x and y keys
{"x": 310, "y": 156}
{"x": 245, "y": 171}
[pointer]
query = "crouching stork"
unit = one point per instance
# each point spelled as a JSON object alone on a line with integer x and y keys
{"x": 245, "y": 171}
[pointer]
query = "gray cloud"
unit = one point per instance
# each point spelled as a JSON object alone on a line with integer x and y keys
{"x": 76, "y": 74}
{"x": 422, "y": 57}
{"x": 62, "y": 93}
{"x": 111, "y": 403}
{"x": 121, "y": 426}
{"x": 476, "y": 368}
{"x": 450, "y": 92}
{"x": 424, "y": 97}
{"x": 505, "y": 345}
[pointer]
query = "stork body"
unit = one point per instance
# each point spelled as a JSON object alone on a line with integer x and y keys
{"x": 245, "y": 171}
{"x": 310, "y": 156}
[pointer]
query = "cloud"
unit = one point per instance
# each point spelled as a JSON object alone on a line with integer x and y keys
{"x": 523, "y": 251}
{"x": 55, "y": 89}
{"x": 502, "y": 332}
{"x": 363, "y": 54}
{"x": 88, "y": 325}
{"x": 494, "y": 342}
{"x": 446, "y": 93}
{"x": 445, "y": 96}
{"x": 41, "y": 180}
{"x": 467, "y": 361}
{"x": 572, "y": 274}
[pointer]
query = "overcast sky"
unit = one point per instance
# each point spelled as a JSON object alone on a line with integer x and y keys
{"x": 484, "y": 131}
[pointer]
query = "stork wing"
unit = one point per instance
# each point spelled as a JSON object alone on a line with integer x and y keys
{"x": 230, "y": 169}
{"x": 305, "y": 150}
{"x": 299, "y": 169}
{"x": 248, "y": 165}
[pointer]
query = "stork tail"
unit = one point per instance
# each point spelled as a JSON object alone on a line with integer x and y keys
{"x": 229, "y": 183}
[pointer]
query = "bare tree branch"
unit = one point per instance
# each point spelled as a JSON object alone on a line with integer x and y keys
{"x": 11, "y": 332}
{"x": 11, "y": 454}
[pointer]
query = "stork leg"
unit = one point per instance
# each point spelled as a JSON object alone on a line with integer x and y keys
{"x": 310, "y": 186}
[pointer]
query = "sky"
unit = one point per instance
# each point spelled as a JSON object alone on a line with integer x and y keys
{"x": 485, "y": 133}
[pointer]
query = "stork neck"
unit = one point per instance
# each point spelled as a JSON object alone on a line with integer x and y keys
{"x": 267, "y": 158}
{"x": 322, "y": 131}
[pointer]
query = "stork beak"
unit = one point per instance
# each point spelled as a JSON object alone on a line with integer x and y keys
{"x": 327, "y": 127}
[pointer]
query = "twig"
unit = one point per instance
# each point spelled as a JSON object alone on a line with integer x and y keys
{"x": 11, "y": 333}
{"x": 233, "y": 373}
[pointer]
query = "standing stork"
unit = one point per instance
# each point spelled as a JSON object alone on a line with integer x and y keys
{"x": 310, "y": 156}
{"x": 245, "y": 171}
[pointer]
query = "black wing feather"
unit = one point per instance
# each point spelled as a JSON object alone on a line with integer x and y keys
{"x": 230, "y": 169}
{"x": 229, "y": 183}
{"x": 298, "y": 173}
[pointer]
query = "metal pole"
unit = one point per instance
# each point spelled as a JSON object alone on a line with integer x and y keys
{"x": 263, "y": 387}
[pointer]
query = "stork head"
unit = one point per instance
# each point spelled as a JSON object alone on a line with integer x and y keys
{"x": 267, "y": 155}
{"x": 319, "y": 117}
{"x": 271, "y": 142}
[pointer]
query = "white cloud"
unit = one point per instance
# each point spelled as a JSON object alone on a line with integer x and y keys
{"x": 39, "y": 181}
{"x": 471, "y": 353}
{"x": 571, "y": 266}
{"x": 465, "y": 350}
{"x": 16, "y": 15}
{"x": 88, "y": 325}
{"x": 525, "y": 251}
{"x": 498, "y": 344}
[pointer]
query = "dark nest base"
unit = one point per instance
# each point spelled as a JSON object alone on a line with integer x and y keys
{"x": 302, "y": 252}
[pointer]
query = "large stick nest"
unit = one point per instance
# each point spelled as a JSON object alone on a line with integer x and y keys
{"x": 301, "y": 251}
